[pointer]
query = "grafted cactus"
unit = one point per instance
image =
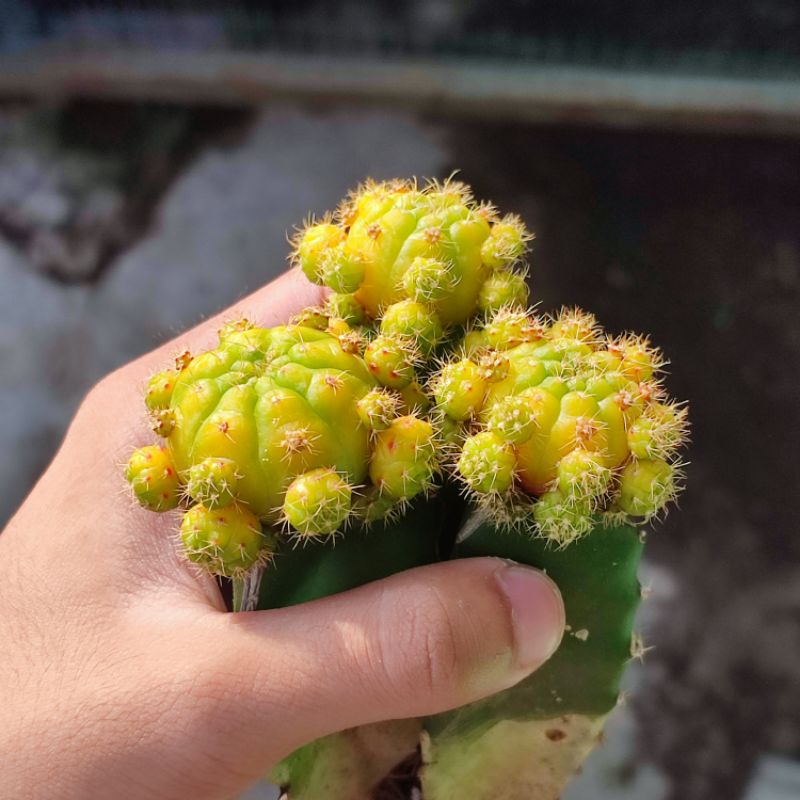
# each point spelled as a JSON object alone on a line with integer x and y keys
{"x": 566, "y": 447}
{"x": 266, "y": 430}
{"x": 432, "y": 250}
{"x": 573, "y": 428}
{"x": 422, "y": 413}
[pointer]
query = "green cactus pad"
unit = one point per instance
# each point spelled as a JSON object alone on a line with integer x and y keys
{"x": 528, "y": 740}
{"x": 345, "y": 766}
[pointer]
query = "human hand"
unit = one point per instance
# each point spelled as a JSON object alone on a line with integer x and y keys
{"x": 121, "y": 676}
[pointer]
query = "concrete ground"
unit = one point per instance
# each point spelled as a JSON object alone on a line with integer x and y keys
{"x": 694, "y": 239}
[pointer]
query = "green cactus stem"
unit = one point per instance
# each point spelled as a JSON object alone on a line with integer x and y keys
{"x": 347, "y": 765}
{"x": 528, "y": 741}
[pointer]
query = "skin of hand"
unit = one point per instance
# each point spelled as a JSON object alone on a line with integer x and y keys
{"x": 122, "y": 676}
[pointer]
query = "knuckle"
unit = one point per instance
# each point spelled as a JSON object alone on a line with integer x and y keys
{"x": 100, "y": 393}
{"x": 428, "y": 654}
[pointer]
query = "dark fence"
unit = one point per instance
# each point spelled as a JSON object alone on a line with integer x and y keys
{"x": 759, "y": 38}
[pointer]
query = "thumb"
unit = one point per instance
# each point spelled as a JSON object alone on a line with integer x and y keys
{"x": 414, "y": 644}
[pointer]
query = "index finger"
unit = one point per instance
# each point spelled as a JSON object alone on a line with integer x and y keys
{"x": 270, "y": 305}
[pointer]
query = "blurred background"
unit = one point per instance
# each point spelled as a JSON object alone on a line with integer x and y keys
{"x": 154, "y": 155}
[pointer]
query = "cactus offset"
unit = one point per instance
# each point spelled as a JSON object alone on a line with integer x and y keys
{"x": 153, "y": 478}
{"x": 317, "y": 502}
{"x": 224, "y": 541}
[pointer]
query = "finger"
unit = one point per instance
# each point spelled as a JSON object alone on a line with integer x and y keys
{"x": 115, "y": 410}
{"x": 417, "y": 643}
{"x": 273, "y": 304}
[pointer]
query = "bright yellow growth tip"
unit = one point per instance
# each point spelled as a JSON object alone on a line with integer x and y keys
{"x": 153, "y": 478}
{"x": 403, "y": 460}
{"x": 317, "y": 503}
{"x": 226, "y": 541}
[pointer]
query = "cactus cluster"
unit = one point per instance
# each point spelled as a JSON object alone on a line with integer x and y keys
{"x": 418, "y": 259}
{"x": 279, "y": 431}
{"x": 562, "y": 425}
{"x": 304, "y": 428}
{"x": 425, "y": 370}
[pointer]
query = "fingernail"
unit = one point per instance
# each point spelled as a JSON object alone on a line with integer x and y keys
{"x": 537, "y": 614}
